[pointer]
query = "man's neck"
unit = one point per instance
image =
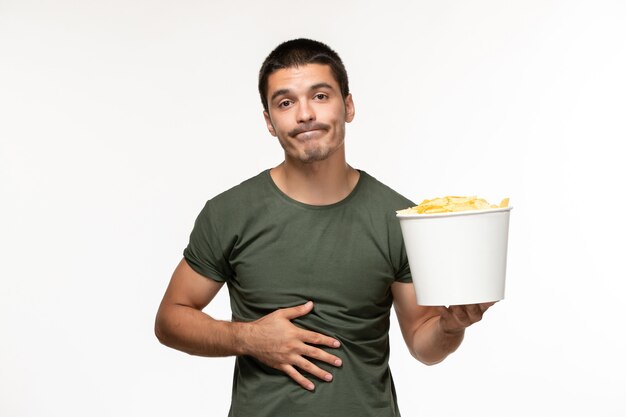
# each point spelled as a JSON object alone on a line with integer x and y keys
{"x": 317, "y": 183}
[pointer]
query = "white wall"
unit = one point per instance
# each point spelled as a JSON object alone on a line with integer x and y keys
{"x": 118, "y": 119}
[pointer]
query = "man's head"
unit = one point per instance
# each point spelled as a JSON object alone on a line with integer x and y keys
{"x": 304, "y": 88}
{"x": 300, "y": 52}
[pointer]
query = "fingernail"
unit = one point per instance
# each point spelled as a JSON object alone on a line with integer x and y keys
{"x": 328, "y": 377}
{"x": 336, "y": 344}
{"x": 310, "y": 387}
{"x": 338, "y": 362}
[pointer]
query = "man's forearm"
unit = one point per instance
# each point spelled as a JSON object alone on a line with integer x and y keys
{"x": 192, "y": 331}
{"x": 431, "y": 344}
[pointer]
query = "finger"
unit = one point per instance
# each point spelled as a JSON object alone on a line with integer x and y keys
{"x": 297, "y": 376}
{"x": 313, "y": 369}
{"x": 321, "y": 355}
{"x": 449, "y": 321}
{"x": 444, "y": 312}
{"x": 474, "y": 312}
{"x": 485, "y": 306}
{"x": 447, "y": 316}
{"x": 297, "y": 311}
{"x": 319, "y": 339}
{"x": 460, "y": 315}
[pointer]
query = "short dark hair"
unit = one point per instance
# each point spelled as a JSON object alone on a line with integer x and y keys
{"x": 298, "y": 52}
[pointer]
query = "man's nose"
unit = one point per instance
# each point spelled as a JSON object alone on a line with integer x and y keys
{"x": 305, "y": 112}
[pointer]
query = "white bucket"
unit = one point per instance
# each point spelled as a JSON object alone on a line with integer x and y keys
{"x": 457, "y": 258}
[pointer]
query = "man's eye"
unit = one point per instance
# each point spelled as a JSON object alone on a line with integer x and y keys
{"x": 320, "y": 96}
{"x": 284, "y": 103}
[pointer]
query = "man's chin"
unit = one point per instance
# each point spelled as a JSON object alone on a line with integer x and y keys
{"x": 310, "y": 159}
{"x": 315, "y": 155}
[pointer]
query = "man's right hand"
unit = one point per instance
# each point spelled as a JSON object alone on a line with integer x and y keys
{"x": 278, "y": 343}
{"x": 273, "y": 339}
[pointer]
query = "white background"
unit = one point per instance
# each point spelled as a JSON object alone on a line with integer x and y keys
{"x": 118, "y": 119}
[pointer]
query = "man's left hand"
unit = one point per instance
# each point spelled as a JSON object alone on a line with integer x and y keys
{"x": 455, "y": 319}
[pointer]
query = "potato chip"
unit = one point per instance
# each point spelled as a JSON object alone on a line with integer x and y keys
{"x": 452, "y": 204}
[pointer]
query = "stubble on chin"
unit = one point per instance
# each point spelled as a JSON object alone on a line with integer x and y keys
{"x": 315, "y": 155}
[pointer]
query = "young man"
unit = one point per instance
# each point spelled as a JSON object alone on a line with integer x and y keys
{"x": 313, "y": 258}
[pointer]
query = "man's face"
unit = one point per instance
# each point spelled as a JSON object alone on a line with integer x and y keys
{"x": 306, "y": 112}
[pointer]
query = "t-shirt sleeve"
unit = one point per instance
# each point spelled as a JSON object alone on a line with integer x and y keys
{"x": 404, "y": 272}
{"x": 205, "y": 253}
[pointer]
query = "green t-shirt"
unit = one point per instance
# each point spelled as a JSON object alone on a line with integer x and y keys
{"x": 275, "y": 252}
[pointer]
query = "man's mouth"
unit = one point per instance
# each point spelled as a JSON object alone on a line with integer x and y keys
{"x": 310, "y": 128}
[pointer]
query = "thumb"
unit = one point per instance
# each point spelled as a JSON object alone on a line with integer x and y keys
{"x": 297, "y": 311}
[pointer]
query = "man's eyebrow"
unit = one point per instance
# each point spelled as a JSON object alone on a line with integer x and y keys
{"x": 283, "y": 91}
{"x": 321, "y": 85}
{"x": 279, "y": 93}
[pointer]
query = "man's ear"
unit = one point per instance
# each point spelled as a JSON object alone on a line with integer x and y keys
{"x": 349, "y": 104}
{"x": 268, "y": 121}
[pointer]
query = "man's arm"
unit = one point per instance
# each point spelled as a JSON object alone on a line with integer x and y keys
{"x": 432, "y": 333}
{"x": 273, "y": 339}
